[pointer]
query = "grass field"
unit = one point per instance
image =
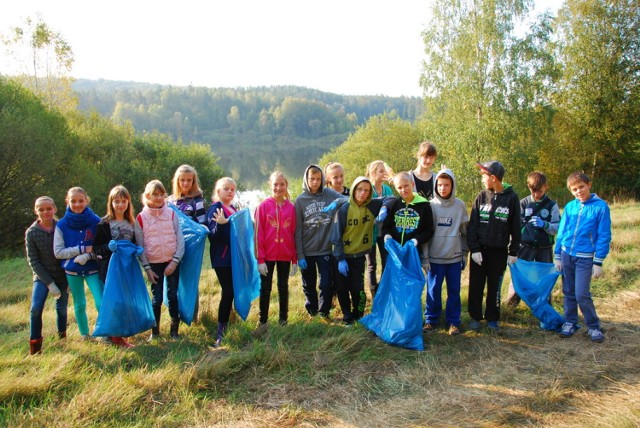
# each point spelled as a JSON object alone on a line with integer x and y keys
{"x": 310, "y": 374}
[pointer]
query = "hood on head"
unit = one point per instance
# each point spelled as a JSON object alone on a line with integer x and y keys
{"x": 445, "y": 171}
{"x": 305, "y": 184}
{"x": 352, "y": 192}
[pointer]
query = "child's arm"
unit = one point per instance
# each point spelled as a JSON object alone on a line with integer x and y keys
{"x": 337, "y": 229}
{"x": 33, "y": 257}
{"x": 62, "y": 252}
{"x": 425, "y": 226}
{"x": 260, "y": 234}
{"x": 137, "y": 230}
{"x": 101, "y": 242}
{"x": 516, "y": 231}
{"x": 552, "y": 226}
{"x": 298, "y": 234}
{"x": 603, "y": 235}
{"x": 177, "y": 256}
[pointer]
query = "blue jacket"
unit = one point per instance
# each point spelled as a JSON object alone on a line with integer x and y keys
{"x": 585, "y": 230}
{"x": 75, "y": 232}
{"x": 219, "y": 239}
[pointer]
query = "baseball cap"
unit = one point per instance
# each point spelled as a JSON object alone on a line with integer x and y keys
{"x": 492, "y": 168}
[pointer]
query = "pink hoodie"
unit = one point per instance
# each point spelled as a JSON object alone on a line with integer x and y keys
{"x": 275, "y": 231}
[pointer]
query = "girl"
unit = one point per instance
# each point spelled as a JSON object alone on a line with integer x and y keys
{"x": 220, "y": 247}
{"x": 334, "y": 174}
{"x": 377, "y": 172}
{"x": 158, "y": 231}
{"x": 73, "y": 243}
{"x": 117, "y": 225}
{"x": 275, "y": 242}
{"x": 423, "y": 182}
{"x": 48, "y": 275}
{"x": 187, "y": 196}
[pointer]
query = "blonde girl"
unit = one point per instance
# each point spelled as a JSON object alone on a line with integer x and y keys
{"x": 187, "y": 194}
{"x": 275, "y": 243}
{"x": 73, "y": 244}
{"x": 163, "y": 243}
{"x": 48, "y": 275}
{"x": 423, "y": 177}
{"x": 334, "y": 174}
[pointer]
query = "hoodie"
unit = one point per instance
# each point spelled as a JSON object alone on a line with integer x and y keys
{"x": 409, "y": 220}
{"x": 275, "y": 230}
{"x": 313, "y": 227}
{"x": 450, "y": 219}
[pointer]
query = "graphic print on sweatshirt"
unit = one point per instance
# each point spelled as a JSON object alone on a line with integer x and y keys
{"x": 314, "y": 217}
{"x": 501, "y": 213}
{"x": 445, "y": 221}
{"x": 406, "y": 219}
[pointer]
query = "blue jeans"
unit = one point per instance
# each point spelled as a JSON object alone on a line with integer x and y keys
{"x": 317, "y": 265}
{"x": 38, "y": 300}
{"x": 438, "y": 273}
{"x": 576, "y": 286}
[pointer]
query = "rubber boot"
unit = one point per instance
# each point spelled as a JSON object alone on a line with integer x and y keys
{"x": 175, "y": 323}
{"x": 35, "y": 346}
{"x": 222, "y": 328}
{"x": 62, "y": 334}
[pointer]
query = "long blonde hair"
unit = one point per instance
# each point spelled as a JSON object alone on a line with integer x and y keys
{"x": 218, "y": 186}
{"x": 279, "y": 174}
{"x": 195, "y": 185}
{"x": 120, "y": 192}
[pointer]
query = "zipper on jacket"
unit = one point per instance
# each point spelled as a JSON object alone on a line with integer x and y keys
{"x": 575, "y": 235}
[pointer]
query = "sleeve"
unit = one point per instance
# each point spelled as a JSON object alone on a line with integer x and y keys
{"x": 298, "y": 232}
{"x": 516, "y": 231}
{"x": 603, "y": 238}
{"x": 177, "y": 256}
{"x": 426, "y": 226}
{"x": 101, "y": 241}
{"x": 260, "y": 232}
{"x": 137, "y": 230}
{"x": 464, "y": 223}
{"x": 472, "y": 228}
{"x": 33, "y": 257}
{"x": 552, "y": 226}
{"x": 200, "y": 214}
{"x": 59, "y": 249}
{"x": 561, "y": 232}
{"x": 389, "y": 225}
{"x": 337, "y": 230}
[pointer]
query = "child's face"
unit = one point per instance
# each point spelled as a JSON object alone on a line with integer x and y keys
{"x": 581, "y": 190}
{"x": 426, "y": 162}
{"x": 336, "y": 177}
{"x": 538, "y": 194}
{"x": 380, "y": 174}
{"x": 314, "y": 180}
{"x": 156, "y": 199}
{"x": 77, "y": 202}
{"x": 185, "y": 181}
{"x": 279, "y": 187}
{"x": 488, "y": 181}
{"x": 45, "y": 211}
{"x": 119, "y": 206}
{"x": 361, "y": 193}
{"x": 226, "y": 193}
{"x": 405, "y": 189}
{"x": 444, "y": 187}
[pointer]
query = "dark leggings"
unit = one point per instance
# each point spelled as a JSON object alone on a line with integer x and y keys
{"x": 283, "y": 290}
{"x": 225, "y": 278}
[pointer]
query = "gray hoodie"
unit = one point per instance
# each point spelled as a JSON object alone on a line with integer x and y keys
{"x": 313, "y": 227}
{"x": 449, "y": 242}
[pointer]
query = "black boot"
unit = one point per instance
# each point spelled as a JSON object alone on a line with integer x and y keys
{"x": 175, "y": 323}
{"x": 35, "y": 346}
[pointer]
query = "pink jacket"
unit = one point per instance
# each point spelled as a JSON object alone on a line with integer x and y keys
{"x": 275, "y": 231}
{"x": 160, "y": 236}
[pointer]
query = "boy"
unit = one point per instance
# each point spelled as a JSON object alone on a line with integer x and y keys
{"x": 583, "y": 242}
{"x": 352, "y": 236}
{"x": 313, "y": 243}
{"x": 540, "y": 217}
{"x": 493, "y": 236}
{"x": 446, "y": 253}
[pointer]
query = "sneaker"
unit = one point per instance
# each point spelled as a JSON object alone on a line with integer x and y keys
{"x": 474, "y": 325}
{"x": 86, "y": 338}
{"x": 428, "y": 327}
{"x": 493, "y": 326}
{"x": 454, "y": 330}
{"x": 596, "y": 335}
{"x": 568, "y": 329}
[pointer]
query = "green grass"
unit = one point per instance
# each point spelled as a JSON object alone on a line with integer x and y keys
{"x": 311, "y": 374}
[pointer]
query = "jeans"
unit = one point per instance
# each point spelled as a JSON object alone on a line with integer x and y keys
{"x": 317, "y": 265}
{"x": 576, "y": 286}
{"x": 436, "y": 276}
{"x": 76, "y": 285}
{"x": 38, "y": 300}
{"x": 283, "y": 290}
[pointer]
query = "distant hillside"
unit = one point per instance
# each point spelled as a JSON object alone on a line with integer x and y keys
{"x": 252, "y": 130}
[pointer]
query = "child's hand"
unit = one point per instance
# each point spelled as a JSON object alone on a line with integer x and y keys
{"x": 382, "y": 215}
{"x": 558, "y": 265}
{"x": 151, "y": 276}
{"x": 262, "y": 269}
{"x": 387, "y": 237}
{"x": 511, "y": 260}
{"x": 171, "y": 268}
{"x": 113, "y": 245}
{"x": 294, "y": 269}
{"x": 426, "y": 265}
{"x": 597, "y": 271}
{"x": 82, "y": 258}
{"x": 54, "y": 290}
{"x": 477, "y": 257}
{"x": 302, "y": 263}
{"x": 343, "y": 267}
{"x": 219, "y": 217}
{"x": 332, "y": 206}
{"x": 536, "y": 222}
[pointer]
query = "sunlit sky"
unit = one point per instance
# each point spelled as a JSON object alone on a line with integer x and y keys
{"x": 351, "y": 47}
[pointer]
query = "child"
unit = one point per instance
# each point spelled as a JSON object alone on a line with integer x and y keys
{"x": 352, "y": 235}
{"x": 158, "y": 231}
{"x": 73, "y": 243}
{"x": 540, "y": 217}
{"x": 584, "y": 236}
{"x": 187, "y": 196}
{"x": 117, "y": 225}
{"x": 275, "y": 221}
{"x": 220, "y": 247}
{"x": 313, "y": 241}
{"x": 377, "y": 173}
{"x": 446, "y": 253}
{"x": 48, "y": 275}
{"x": 334, "y": 172}
{"x": 493, "y": 236}
{"x": 422, "y": 175}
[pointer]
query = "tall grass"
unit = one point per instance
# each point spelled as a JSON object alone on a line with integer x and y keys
{"x": 311, "y": 374}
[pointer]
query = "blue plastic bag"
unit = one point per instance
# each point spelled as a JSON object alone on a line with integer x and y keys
{"x": 534, "y": 282}
{"x": 190, "y": 265}
{"x": 126, "y": 307}
{"x": 396, "y": 315}
{"x": 246, "y": 278}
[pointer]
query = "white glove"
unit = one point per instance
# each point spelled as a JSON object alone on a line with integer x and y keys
{"x": 511, "y": 260}
{"x": 597, "y": 271}
{"x": 477, "y": 257}
{"x": 262, "y": 268}
{"x": 54, "y": 290}
{"x": 558, "y": 264}
{"x": 294, "y": 269}
{"x": 414, "y": 241}
{"x": 426, "y": 265}
{"x": 387, "y": 237}
{"x": 82, "y": 258}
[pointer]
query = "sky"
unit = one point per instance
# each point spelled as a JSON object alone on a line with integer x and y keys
{"x": 349, "y": 47}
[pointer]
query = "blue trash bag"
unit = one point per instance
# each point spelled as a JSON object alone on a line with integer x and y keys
{"x": 396, "y": 315}
{"x": 534, "y": 282}
{"x": 190, "y": 265}
{"x": 246, "y": 278}
{"x": 126, "y": 307}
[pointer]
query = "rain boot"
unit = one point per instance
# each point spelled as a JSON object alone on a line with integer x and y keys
{"x": 175, "y": 323}
{"x": 62, "y": 334}
{"x": 35, "y": 346}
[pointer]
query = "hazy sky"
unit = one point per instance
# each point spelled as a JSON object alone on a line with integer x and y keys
{"x": 355, "y": 47}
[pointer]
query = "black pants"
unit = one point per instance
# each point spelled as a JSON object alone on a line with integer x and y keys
{"x": 157, "y": 290}
{"x": 351, "y": 290}
{"x": 491, "y": 272}
{"x": 225, "y": 278}
{"x": 372, "y": 265}
{"x": 283, "y": 290}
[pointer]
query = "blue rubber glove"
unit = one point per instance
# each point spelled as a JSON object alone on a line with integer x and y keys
{"x": 302, "y": 264}
{"x": 139, "y": 250}
{"x": 343, "y": 267}
{"x": 113, "y": 246}
{"x": 332, "y": 206}
{"x": 536, "y": 222}
{"x": 382, "y": 215}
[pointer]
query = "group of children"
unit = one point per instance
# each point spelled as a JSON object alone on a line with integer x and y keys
{"x": 332, "y": 233}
